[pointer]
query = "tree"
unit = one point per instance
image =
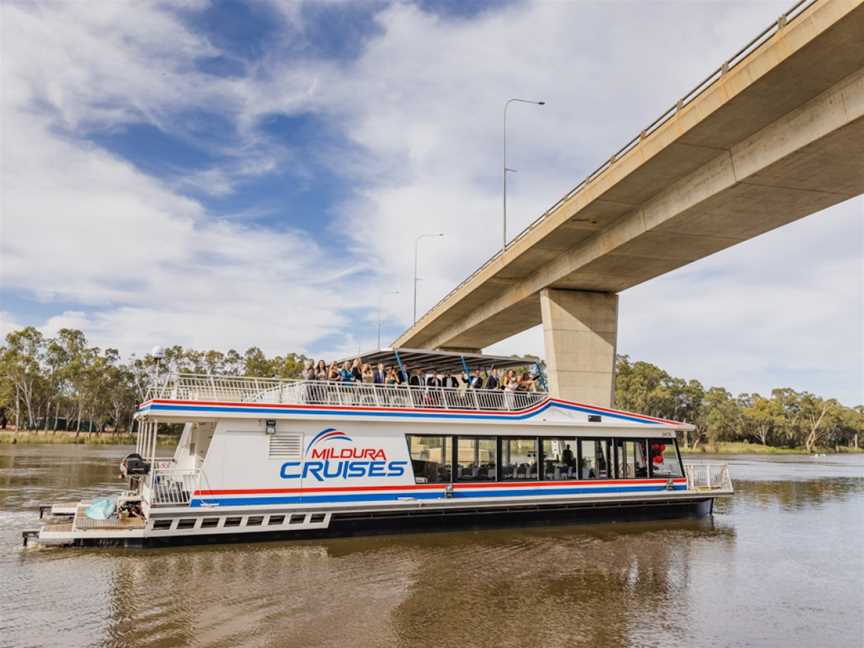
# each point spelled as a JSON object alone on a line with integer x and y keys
{"x": 21, "y": 362}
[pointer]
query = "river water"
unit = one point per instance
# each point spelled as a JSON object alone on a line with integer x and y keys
{"x": 780, "y": 564}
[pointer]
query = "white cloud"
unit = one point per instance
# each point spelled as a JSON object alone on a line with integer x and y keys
{"x": 81, "y": 225}
{"x": 420, "y": 112}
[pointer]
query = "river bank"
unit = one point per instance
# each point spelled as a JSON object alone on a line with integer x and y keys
{"x": 735, "y": 447}
{"x": 64, "y": 437}
{"x": 35, "y": 437}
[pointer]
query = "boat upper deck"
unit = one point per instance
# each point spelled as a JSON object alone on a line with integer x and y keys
{"x": 241, "y": 389}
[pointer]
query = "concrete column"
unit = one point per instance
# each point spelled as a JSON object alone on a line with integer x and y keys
{"x": 580, "y": 331}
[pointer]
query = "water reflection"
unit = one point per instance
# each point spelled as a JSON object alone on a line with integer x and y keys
{"x": 768, "y": 559}
{"x": 435, "y": 589}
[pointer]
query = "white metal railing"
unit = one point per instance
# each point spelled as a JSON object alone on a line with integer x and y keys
{"x": 307, "y": 392}
{"x": 171, "y": 487}
{"x": 708, "y": 476}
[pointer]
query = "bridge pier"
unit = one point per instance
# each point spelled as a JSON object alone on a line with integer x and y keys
{"x": 580, "y": 331}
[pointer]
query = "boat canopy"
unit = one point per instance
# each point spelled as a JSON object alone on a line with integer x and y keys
{"x": 441, "y": 361}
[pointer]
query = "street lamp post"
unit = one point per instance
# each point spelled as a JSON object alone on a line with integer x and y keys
{"x": 381, "y": 299}
{"x": 506, "y": 170}
{"x": 416, "y": 243}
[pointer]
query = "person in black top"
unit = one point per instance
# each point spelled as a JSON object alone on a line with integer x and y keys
{"x": 567, "y": 457}
{"x": 492, "y": 381}
{"x": 379, "y": 374}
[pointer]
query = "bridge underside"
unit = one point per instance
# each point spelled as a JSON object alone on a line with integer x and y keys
{"x": 777, "y": 138}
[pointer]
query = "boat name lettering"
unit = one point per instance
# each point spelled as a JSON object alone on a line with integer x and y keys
{"x": 374, "y": 454}
{"x": 324, "y": 470}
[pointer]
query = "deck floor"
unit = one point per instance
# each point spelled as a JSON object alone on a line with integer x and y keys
{"x": 83, "y": 523}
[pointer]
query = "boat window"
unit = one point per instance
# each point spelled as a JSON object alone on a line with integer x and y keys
{"x": 594, "y": 460}
{"x": 476, "y": 459}
{"x": 518, "y": 458}
{"x": 431, "y": 458}
{"x": 629, "y": 458}
{"x": 560, "y": 457}
{"x": 664, "y": 458}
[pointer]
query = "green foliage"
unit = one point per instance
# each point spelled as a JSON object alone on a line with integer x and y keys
{"x": 63, "y": 383}
{"x": 787, "y": 419}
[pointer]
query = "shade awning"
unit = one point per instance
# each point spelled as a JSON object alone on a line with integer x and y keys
{"x": 441, "y": 361}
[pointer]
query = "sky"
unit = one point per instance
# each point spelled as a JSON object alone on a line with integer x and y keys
{"x": 220, "y": 174}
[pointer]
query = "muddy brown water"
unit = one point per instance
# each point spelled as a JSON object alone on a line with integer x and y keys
{"x": 780, "y": 564}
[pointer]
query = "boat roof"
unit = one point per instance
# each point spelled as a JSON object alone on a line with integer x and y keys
{"x": 441, "y": 361}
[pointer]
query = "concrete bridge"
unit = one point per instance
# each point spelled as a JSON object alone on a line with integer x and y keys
{"x": 775, "y": 134}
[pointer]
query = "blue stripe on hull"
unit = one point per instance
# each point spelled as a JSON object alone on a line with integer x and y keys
{"x": 390, "y": 497}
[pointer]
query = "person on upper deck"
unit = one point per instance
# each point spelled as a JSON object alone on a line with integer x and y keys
{"x": 391, "y": 378}
{"x": 415, "y": 380}
{"x": 321, "y": 371}
{"x": 366, "y": 373}
{"x": 511, "y": 382}
{"x": 475, "y": 381}
{"x": 356, "y": 371}
{"x": 308, "y": 372}
{"x": 333, "y": 373}
{"x": 379, "y": 375}
{"x": 346, "y": 374}
{"x": 492, "y": 381}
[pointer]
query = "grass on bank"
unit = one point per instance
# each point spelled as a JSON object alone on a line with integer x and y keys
{"x": 740, "y": 447}
{"x": 67, "y": 437}
{"x": 109, "y": 438}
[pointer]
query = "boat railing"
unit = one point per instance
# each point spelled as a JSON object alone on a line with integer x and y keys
{"x": 309, "y": 392}
{"x": 170, "y": 487}
{"x": 708, "y": 476}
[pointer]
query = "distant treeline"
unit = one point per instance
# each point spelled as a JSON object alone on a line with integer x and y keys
{"x": 63, "y": 383}
{"x": 786, "y": 418}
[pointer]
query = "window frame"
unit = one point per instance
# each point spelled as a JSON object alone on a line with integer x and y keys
{"x": 576, "y": 440}
{"x": 538, "y": 450}
{"x": 454, "y": 472}
{"x": 442, "y": 437}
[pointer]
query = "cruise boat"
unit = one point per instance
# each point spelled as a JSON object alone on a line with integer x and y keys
{"x": 262, "y": 458}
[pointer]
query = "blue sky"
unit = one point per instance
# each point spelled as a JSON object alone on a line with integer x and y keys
{"x": 228, "y": 174}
